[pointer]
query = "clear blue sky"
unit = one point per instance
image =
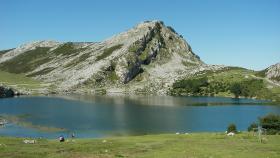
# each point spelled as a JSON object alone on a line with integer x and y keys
{"x": 232, "y": 32}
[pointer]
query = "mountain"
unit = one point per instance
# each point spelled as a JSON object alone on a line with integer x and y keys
{"x": 145, "y": 59}
{"x": 151, "y": 58}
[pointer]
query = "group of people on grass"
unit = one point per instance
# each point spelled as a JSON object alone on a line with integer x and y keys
{"x": 62, "y": 139}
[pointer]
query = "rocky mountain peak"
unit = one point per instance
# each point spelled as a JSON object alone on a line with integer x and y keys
{"x": 149, "y": 24}
{"x": 148, "y": 57}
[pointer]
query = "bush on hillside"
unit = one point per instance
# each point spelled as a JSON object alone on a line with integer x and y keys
{"x": 247, "y": 88}
{"x": 193, "y": 86}
{"x": 236, "y": 89}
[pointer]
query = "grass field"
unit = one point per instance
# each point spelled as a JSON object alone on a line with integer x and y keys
{"x": 20, "y": 82}
{"x": 197, "y": 145}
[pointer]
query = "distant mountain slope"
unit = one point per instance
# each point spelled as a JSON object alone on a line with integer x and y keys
{"x": 146, "y": 59}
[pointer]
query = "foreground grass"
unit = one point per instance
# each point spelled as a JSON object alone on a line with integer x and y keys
{"x": 193, "y": 145}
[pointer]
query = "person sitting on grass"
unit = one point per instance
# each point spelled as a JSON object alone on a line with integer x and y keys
{"x": 61, "y": 138}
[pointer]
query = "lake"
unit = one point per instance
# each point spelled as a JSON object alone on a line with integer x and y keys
{"x": 102, "y": 116}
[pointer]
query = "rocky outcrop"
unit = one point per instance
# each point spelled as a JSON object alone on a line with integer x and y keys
{"x": 273, "y": 72}
{"x": 145, "y": 59}
{"x": 6, "y": 92}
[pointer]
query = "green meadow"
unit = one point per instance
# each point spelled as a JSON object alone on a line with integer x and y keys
{"x": 194, "y": 145}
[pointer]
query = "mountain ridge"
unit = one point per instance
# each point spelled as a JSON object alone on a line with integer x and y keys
{"x": 148, "y": 58}
{"x": 130, "y": 51}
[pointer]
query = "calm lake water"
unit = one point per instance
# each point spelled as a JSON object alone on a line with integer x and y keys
{"x": 99, "y": 116}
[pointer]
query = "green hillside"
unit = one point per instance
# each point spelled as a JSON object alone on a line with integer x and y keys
{"x": 228, "y": 82}
{"x": 21, "y": 82}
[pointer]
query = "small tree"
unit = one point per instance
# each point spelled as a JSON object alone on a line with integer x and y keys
{"x": 271, "y": 123}
{"x": 231, "y": 128}
{"x": 236, "y": 89}
{"x": 253, "y": 127}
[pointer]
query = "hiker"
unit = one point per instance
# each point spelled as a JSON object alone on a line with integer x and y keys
{"x": 61, "y": 138}
{"x": 73, "y": 135}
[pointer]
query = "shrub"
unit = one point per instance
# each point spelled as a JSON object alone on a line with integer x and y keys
{"x": 6, "y": 92}
{"x": 236, "y": 89}
{"x": 271, "y": 123}
{"x": 193, "y": 86}
{"x": 261, "y": 73}
{"x": 253, "y": 127}
{"x": 247, "y": 88}
{"x": 252, "y": 87}
{"x": 231, "y": 128}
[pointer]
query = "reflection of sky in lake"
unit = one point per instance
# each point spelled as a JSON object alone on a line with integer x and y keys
{"x": 98, "y": 116}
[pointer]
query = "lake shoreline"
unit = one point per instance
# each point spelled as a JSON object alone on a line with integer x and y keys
{"x": 67, "y": 95}
{"x": 123, "y": 93}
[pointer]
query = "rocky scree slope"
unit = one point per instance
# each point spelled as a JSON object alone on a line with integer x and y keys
{"x": 148, "y": 58}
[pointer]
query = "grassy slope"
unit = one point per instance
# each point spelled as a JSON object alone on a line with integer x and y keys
{"x": 12, "y": 71}
{"x": 27, "y": 61}
{"x": 241, "y": 75}
{"x": 236, "y": 75}
{"x": 194, "y": 145}
{"x": 230, "y": 76}
{"x": 19, "y": 81}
